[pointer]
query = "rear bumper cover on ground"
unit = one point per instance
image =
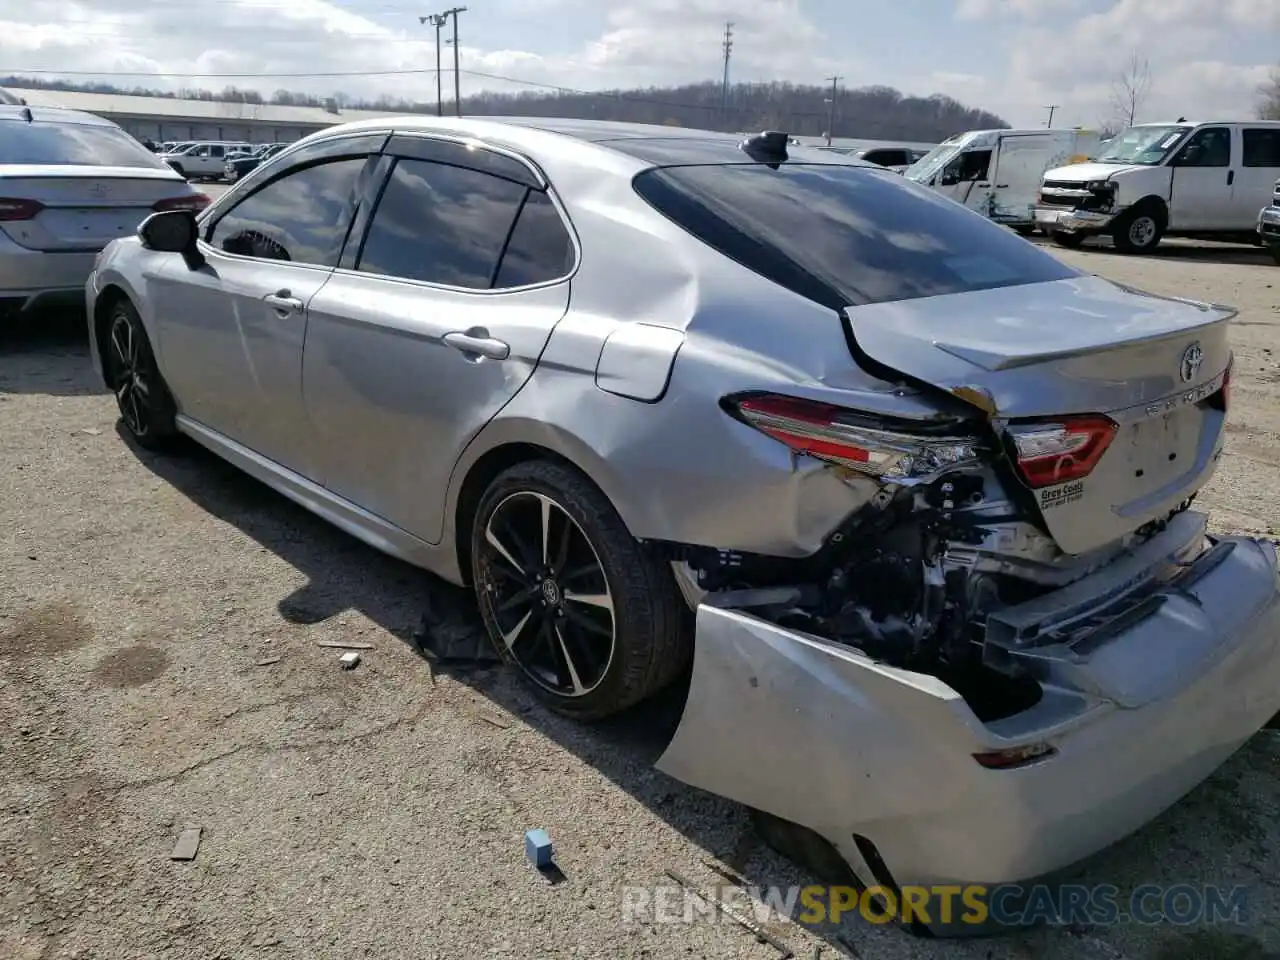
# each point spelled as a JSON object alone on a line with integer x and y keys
{"x": 818, "y": 734}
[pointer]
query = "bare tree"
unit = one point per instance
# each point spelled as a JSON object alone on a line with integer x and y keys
{"x": 1269, "y": 97}
{"x": 1130, "y": 88}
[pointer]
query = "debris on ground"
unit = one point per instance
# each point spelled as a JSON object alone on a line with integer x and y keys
{"x": 344, "y": 645}
{"x": 349, "y": 661}
{"x": 495, "y": 721}
{"x": 187, "y": 845}
{"x": 92, "y": 431}
{"x": 267, "y": 662}
{"x": 538, "y": 848}
{"x": 750, "y": 926}
{"x": 452, "y": 632}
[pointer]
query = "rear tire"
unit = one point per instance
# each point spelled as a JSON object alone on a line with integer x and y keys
{"x": 146, "y": 406}
{"x": 593, "y": 621}
{"x": 1139, "y": 231}
{"x": 1070, "y": 241}
{"x": 1274, "y": 250}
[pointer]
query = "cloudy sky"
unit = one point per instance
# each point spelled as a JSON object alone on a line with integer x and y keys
{"x": 1014, "y": 57}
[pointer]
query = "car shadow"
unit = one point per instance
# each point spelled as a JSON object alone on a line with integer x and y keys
{"x": 342, "y": 574}
{"x": 35, "y": 348}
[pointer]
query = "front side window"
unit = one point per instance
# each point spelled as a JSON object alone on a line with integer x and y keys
{"x": 302, "y": 217}
{"x": 88, "y": 144}
{"x": 1210, "y": 147}
{"x": 844, "y": 235}
{"x": 459, "y": 227}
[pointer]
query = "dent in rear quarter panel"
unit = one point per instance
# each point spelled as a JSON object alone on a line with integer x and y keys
{"x": 679, "y": 468}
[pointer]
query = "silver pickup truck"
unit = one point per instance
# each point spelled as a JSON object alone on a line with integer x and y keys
{"x": 1269, "y": 224}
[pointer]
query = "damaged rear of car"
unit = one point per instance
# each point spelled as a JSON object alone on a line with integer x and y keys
{"x": 1022, "y": 643}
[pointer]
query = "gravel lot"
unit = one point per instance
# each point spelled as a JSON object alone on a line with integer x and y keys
{"x": 159, "y": 669}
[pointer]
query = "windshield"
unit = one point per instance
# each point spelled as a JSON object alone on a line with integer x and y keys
{"x": 72, "y": 143}
{"x": 1147, "y": 146}
{"x": 933, "y": 161}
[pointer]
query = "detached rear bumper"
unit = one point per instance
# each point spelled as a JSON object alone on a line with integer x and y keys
{"x": 818, "y": 734}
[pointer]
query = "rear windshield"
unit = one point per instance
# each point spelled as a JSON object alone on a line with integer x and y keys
{"x": 845, "y": 235}
{"x": 71, "y": 143}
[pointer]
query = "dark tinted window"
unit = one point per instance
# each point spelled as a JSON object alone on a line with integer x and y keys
{"x": 71, "y": 143}
{"x": 302, "y": 217}
{"x": 845, "y": 235}
{"x": 540, "y": 248}
{"x": 1261, "y": 147}
{"x": 441, "y": 224}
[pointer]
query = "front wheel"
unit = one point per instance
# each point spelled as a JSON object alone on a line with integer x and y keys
{"x": 1138, "y": 232}
{"x": 146, "y": 406}
{"x": 592, "y": 620}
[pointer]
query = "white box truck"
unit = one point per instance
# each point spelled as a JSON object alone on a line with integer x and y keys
{"x": 998, "y": 172}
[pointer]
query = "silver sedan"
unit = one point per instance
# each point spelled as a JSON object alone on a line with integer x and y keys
{"x": 904, "y": 498}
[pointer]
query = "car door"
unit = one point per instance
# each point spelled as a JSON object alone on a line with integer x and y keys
{"x": 967, "y": 179}
{"x": 231, "y": 332}
{"x": 1203, "y": 175}
{"x": 1019, "y": 168}
{"x": 1259, "y": 170}
{"x": 434, "y": 320}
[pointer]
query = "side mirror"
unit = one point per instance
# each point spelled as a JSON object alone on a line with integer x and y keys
{"x": 173, "y": 231}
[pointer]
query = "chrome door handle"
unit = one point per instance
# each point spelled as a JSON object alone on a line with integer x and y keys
{"x": 284, "y": 302}
{"x": 483, "y": 346}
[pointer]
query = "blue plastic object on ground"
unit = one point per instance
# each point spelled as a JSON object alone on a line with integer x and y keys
{"x": 537, "y": 847}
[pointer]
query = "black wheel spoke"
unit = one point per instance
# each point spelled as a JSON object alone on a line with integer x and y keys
{"x": 561, "y": 638}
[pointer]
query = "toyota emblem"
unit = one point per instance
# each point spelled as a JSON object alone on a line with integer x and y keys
{"x": 1192, "y": 357}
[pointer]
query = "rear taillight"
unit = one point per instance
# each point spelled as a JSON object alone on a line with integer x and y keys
{"x": 16, "y": 208}
{"x": 1015, "y": 757}
{"x": 836, "y": 435}
{"x": 1061, "y": 451}
{"x": 194, "y": 202}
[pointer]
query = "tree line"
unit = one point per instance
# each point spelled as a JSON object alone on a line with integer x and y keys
{"x": 874, "y": 113}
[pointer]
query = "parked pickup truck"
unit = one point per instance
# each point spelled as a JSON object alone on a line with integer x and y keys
{"x": 1269, "y": 223}
{"x": 1202, "y": 180}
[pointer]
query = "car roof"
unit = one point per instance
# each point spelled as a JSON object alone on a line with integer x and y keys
{"x": 650, "y": 143}
{"x": 51, "y": 115}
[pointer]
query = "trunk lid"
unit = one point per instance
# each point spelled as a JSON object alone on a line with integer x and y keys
{"x": 83, "y": 207}
{"x": 1078, "y": 347}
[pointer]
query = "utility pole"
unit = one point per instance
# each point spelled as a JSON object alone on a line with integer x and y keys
{"x": 831, "y": 115}
{"x": 457, "y": 75}
{"x": 437, "y": 20}
{"x": 1052, "y": 108}
{"x": 724, "y": 84}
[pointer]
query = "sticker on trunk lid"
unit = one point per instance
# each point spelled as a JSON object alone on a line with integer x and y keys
{"x": 1061, "y": 495}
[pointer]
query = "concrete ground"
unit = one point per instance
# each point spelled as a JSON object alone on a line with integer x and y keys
{"x": 159, "y": 669}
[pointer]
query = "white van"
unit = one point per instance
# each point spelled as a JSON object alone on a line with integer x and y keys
{"x": 998, "y": 172}
{"x": 1182, "y": 179}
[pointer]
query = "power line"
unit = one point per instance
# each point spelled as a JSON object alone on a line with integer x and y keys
{"x": 437, "y": 20}
{"x": 1052, "y": 108}
{"x": 457, "y": 74}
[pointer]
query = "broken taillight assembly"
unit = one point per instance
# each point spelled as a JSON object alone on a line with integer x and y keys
{"x": 838, "y": 435}
{"x": 19, "y": 208}
{"x": 1061, "y": 451}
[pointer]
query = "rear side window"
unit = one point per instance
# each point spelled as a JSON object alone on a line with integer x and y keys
{"x": 71, "y": 143}
{"x": 845, "y": 235}
{"x": 302, "y": 217}
{"x": 439, "y": 223}
{"x": 1261, "y": 147}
